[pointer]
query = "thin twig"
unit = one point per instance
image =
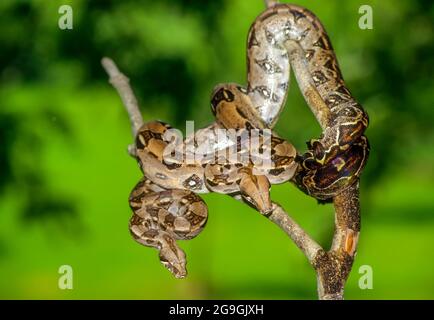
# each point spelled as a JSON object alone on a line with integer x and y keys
{"x": 122, "y": 84}
{"x": 306, "y": 244}
{"x": 270, "y": 3}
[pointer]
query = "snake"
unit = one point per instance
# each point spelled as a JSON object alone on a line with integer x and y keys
{"x": 286, "y": 36}
{"x": 165, "y": 203}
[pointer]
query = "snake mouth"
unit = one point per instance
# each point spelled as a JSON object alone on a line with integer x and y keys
{"x": 181, "y": 275}
{"x": 179, "y": 271}
{"x": 173, "y": 258}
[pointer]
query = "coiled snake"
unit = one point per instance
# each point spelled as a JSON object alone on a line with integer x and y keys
{"x": 165, "y": 202}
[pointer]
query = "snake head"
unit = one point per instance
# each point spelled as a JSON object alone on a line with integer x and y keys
{"x": 233, "y": 108}
{"x": 221, "y": 93}
{"x": 255, "y": 190}
{"x": 173, "y": 258}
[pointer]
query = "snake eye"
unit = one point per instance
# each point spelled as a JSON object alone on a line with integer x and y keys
{"x": 221, "y": 95}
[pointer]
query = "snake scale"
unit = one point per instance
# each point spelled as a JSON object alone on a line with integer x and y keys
{"x": 165, "y": 203}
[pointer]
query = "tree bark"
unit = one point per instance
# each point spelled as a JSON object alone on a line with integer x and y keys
{"x": 333, "y": 267}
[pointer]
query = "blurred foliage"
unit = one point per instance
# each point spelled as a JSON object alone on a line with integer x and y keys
{"x": 65, "y": 174}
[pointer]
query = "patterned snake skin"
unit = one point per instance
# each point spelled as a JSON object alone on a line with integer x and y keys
{"x": 165, "y": 202}
{"x": 288, "y": 35}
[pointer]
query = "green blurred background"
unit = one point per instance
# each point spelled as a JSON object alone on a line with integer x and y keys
{"x": 65, "y": 175}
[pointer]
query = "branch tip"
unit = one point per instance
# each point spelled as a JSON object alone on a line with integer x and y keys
{"x": 270, "y": 3}
{"x": 121, "y": 83}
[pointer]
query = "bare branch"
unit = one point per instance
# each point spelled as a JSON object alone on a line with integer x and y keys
{"x": 122, "y": 84}
{"x": 333, "y": 267}
{"x": 270, "y": 3}
{"x": 306, "y": 244}
{"x": 347, "y": 220}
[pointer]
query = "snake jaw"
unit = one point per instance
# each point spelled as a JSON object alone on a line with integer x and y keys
{"x": 174, "y": 261}
{"x": 178, "y": 271}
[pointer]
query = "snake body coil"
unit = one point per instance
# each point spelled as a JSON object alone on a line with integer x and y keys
{"x": 288, "y": 35}
{"x": 165, "y": 202}
{"x": 165, "y": 205}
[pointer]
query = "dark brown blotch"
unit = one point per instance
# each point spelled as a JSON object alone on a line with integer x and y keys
{"x": 221, "y": 95}
{"x": 334, "y": 100}
{"x": 297, "y": 15}
{"x": 276, "y": 171}
{"x": 322, "y": 43}
{"x": 172, "y": 166}
{"x": 309, "y": 54}
{"x": 343, "y": 90}
{"x": 319, "y": 78}
{"x": 194, "y": 182}
{"x": 252, "y": 41}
